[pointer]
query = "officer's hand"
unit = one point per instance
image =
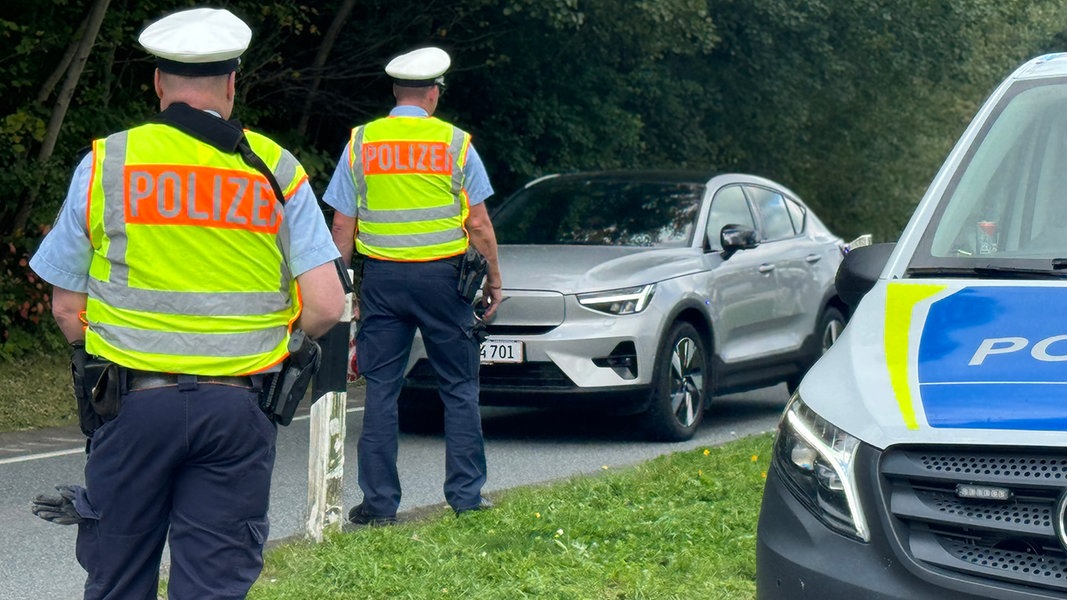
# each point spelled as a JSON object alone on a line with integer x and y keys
{"x": 491, "y": 299}
{"x": 57, "y": 509}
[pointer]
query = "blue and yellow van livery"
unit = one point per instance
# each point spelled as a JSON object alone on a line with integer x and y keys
{"x": 925, "y": 454}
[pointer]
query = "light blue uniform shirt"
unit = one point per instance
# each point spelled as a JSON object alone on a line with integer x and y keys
{"x": 64, "y": 256}
{"x": 341, "y": 193}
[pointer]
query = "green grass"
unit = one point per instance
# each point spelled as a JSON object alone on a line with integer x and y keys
{"x": 679, "y": 526}
{"x": 36, "y": 393}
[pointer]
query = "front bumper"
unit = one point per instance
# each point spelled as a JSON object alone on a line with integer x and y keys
{"x": 798, "y": 557}
{"x": 568, "y": 349}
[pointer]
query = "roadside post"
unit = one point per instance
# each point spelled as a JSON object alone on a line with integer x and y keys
{"x": 326, "y": 448}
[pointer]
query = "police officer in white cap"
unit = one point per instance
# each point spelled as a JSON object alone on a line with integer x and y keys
{"x": 409, "y": 193}
{"x": 186, "y": 255}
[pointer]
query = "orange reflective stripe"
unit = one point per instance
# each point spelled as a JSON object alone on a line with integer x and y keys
{"x": 401, "y": 157}
{"x": 201, "y": 196}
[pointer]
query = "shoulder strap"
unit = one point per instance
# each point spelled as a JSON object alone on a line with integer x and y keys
{"x": 227, "y": 136}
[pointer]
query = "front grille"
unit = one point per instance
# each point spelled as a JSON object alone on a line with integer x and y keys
{"x": 506, "y": 330}
{"x": 544, "y": 376}
{"x": 1012, "y": 542}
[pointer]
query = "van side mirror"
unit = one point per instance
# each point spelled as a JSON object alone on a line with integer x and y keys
{"x": 737, "y": 237}
{"x": 859, "y": 270}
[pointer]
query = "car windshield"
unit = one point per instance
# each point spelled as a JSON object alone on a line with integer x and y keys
{"x": 601, "y": 212}
{"x": 1005, "y": 208}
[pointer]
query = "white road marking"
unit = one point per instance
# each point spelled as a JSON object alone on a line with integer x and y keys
{"x": 81, "y": 449}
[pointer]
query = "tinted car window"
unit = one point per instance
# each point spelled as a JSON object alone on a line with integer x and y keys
{"x": 773, "y": 214}
{"x": 729, "y": 207}
{"x": 600, "y": 212}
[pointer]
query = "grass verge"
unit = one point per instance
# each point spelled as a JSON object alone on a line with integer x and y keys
{"x": 679, "y": 526}
{"x": 36, "y": 393}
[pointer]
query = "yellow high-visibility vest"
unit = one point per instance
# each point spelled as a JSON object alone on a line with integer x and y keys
{"x": 408, "y": 175}
{"x": 189, "y": 271}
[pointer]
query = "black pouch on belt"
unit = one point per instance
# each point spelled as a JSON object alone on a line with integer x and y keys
{"x": 472, "y": 271}
{"x": 96, "y": 388}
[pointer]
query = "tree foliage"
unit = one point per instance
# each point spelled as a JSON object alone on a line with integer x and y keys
{"x": 851, "y": 103}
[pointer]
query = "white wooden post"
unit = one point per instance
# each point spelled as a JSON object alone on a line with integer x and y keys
{"x": 326, "y": 456}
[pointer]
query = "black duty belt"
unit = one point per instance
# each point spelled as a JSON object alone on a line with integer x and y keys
{"x": 452, "y": 260}
{"x": 143, "y": 380}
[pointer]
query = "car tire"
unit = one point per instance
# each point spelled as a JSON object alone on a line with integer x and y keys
{"x": 679, "y": 385}
{"x": 420, "y": 411}
{"x": 830, "y": 325}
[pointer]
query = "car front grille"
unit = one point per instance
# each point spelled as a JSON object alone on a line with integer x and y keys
{"x": 1012, "y": 542}
{"x": 544, "y": 376}
{"x": 519, "y": 329}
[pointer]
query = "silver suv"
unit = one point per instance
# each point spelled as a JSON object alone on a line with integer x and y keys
{"x": 649, "y": 292}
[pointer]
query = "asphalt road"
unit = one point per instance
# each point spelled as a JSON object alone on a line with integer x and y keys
{"x": 523, "y": 447}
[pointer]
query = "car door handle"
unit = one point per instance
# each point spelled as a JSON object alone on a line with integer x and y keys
{"x": 766, "y": 268}
{"x": 812, "y": 258}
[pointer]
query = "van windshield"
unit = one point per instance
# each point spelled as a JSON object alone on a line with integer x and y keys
{"x": 1007, "y": 203}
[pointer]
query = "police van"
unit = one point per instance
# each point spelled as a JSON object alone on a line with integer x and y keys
{"x": 925, "y": 454}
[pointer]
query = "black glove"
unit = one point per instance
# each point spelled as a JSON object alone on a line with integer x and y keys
{"x": 480, "y": 329}
{"x": 59, "y": 509}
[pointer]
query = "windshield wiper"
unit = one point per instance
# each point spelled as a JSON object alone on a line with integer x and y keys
{"x": 1057, "y": 270}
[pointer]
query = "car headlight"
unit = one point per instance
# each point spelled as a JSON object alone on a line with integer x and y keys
{"x": 819, "y": 463}
{"x": 625, "y": 301}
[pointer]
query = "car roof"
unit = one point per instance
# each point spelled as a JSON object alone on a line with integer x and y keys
{"x": 1048, "y": 65}
{"x": 663, "y": 175}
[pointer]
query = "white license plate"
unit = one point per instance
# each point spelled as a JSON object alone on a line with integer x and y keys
{"x": 502, "y": 351}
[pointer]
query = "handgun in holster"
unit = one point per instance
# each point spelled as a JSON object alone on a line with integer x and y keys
{"x": 287, "y": 388}
{"x": 96, "y": 388}
{"x": 472, "y": 270}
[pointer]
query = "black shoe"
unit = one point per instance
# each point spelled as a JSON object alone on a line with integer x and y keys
{"x": 360, "y": 516}
{"x": 484, "y": 504}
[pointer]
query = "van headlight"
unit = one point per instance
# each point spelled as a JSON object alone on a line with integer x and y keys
{"x": 625, "y": 301}
{"x": 818, "y": 461}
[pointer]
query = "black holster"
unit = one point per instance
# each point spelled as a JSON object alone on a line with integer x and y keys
{"x": 96, "y": 388}
{"x": 287, "y": 388}
{"x": 472, "y": 271}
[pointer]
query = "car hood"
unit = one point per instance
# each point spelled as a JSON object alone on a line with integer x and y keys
{"x": 944, "y": 361}
{"x": 576, "y": 269}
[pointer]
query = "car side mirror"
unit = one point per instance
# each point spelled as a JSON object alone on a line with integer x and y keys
{"x": 735, "y": 237}
{"x": 858, "y": 271}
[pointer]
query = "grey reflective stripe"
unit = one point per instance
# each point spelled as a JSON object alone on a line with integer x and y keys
{"x": 408, "y": 216}
{"x": 220, "y": 345}
{"x": 457, "y": 171}
{"x": 113, "y": 172}
{"x": 411, "y": 240}
{"x": 359, "y": 179}
{"x": 198, "y": 304}
{"x": 285, "y": 172}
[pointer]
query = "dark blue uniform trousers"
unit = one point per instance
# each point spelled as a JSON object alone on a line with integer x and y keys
{"x": 395, "y": 299}
{"x": 197, "y": 463}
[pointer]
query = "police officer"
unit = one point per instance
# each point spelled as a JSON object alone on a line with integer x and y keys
{"x": 174, "y": 259}
{"x": 409, "y": 192}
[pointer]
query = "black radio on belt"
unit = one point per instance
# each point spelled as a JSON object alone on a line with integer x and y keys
{"x": 283, "y": 396}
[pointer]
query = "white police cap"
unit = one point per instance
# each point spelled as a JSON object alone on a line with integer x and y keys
{"x": 197, "y": 42}
{"x": 419, "y": 68}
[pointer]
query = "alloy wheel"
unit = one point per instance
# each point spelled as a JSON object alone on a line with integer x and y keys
{"x": 687, "y": 381}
